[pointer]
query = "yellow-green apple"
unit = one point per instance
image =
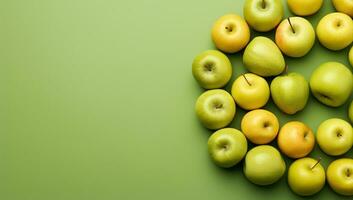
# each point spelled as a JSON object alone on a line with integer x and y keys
{"x": 264, "y": 165}
{"x": 340, "y": 176}
{"x": 345, "y": 6}
{"x": 331, "y": 83}
{"x": 230, "y": 33}
{"x": 350, "y": 111}
{"x": 335, "y": 136}
{"x": 290, "y": 92}
{"x": 350, "y": 56}
{"x": 215, "y": 108}
{"x": 227, "y": 147}
{"x": 335, "y": 31}
{"x": 304, "y": 7}
{"x": 295, "y": 36}
{"x": 295, "y": 139}
{"x": 212, "y": 69}
{"x": 250, "y": 91}
{"x": 263, "y": 15}
{"x": 260, "y": 126}
{"x": 306, "y": 176}
{"x": 263, "y": 57}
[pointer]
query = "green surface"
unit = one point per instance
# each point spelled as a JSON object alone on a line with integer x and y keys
{"x": 97, "y": 102}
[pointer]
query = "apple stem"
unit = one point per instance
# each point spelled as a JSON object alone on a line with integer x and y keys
{"x": 263, "y": 4}
{"x": 318, "y": 161}
{"x": 290, "y": 23}
{"x": 246, "y": 79}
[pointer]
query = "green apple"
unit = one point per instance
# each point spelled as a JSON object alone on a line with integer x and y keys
{"x": 264, "y": 165}
{"x": 290, "y": 92}
{"x": 212, "y": 69}
{"x": 335, "y": 31}
{"x": 331, "y": 83}
{"x": 350, "y": 56}
{"x": 304, "y": 7}
{"x": 227, "y": 147}
{"x": 350, "y": 112}
{"x": 295, "y": 36}
{"x": 340, "y": 176}
{"x": 215, "y": 108}
{"x": 250, "y": 91}
{"x": 335, "y": 136}
{"x": 263, "y": 15}
{"x": 306, "y": 176}
{"x": 263, "y": 57}
{"x": 345, "y": 6}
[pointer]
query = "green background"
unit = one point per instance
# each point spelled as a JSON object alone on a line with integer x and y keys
{"x": 97, "y": 101}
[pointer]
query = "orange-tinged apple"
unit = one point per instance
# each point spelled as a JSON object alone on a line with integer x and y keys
{"x": 260, "y": 126}
{"x": 295, "y": 139}
{"x": 230, "y": 33}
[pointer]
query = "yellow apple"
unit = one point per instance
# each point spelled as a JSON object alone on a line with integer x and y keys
{"x": 345, "y": 6}
{"x": 350, "y": 56}
{"x": 295, "y": 139}
{"x": 260, "y": 126}
{"x": 335, "y": 31}
{"x": 340, "y": 176}
{"x": 250, "y": 91}
{"x": 304, "y": 7}
{"x": 230, "y": 33}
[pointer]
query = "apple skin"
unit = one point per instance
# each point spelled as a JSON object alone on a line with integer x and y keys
{"x": 335, "y": 136}
{"x": 212, "y": 69}
{"x": 250, "y": 91}
{"x": 263, "y": 19}
{"x": 290, "y": 92}
{"x": 230, "y": 33}
{"x": 304, "y": 7}
{"x": 227, "y": 147}
{"x": 331, "y": 83}
{"x": 264, "y": 165}
{"x": 260, "y": 126}
{"x": 215, "y": 108}
{"x": 335, "y": 31}
{"x": 295, "y": 139}
{"x": 344, "y": 6}
{"x": 339, "y": 176}
{"x": 350, "y": 56}
{"x": 263, "y": 57}
{"x": 305, "y": 180}
{"x": 350, "y": 112}
{"x": 297, "y": 43}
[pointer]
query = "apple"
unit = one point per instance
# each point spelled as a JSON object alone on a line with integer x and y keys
{"x": 227, "y": 147}
{"x": 306, "y": 176}
{"x": 350, "y": 56}
{"x": 345, "y": 6}
{"x": 350, "y": 111}
{"x": 290, "y": 92}
{"x": 264, "y": 165}
{"x": 335, "y": 31}
{"x": 335, "y": 136}
{"x": 263, "y": 57}
{"x": 295, "y": 36}
{"x": 215, "y": 108}
{"x": 263, "y": 15}
{"x": 331, "y": 83}
{"x": 304, "y": 7}
{"x": 212, "y": 69}
{"x": 230, "y": 33}
{"x": 260, "y": 126}
{"x": 340, "y": 176}
{"x": 295, "y": 139}
{"x": 250, "y": 91}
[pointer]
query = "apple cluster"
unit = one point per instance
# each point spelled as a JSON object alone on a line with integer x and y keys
{"x": 262, "y": 57}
